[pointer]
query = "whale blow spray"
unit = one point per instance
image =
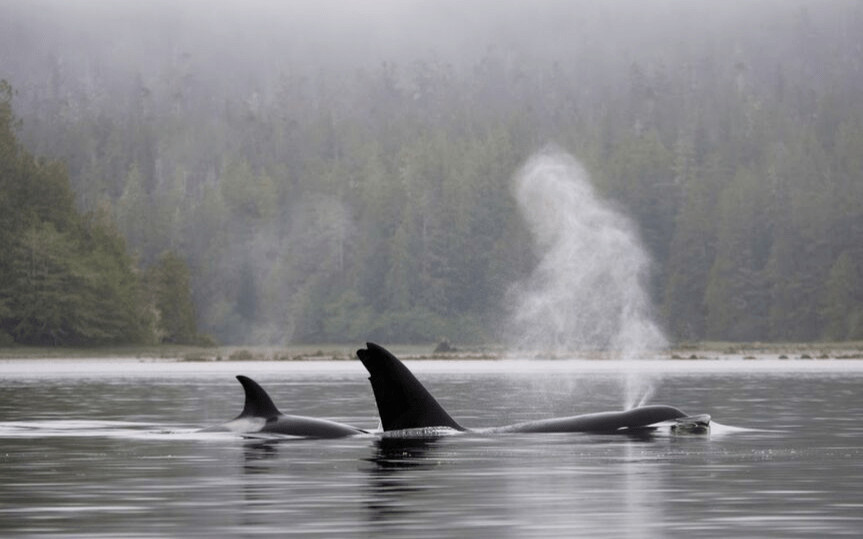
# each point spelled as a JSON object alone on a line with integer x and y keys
{"x": 587, "y": 291}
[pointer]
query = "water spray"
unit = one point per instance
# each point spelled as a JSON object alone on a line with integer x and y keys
{"x": 587, "y": 292}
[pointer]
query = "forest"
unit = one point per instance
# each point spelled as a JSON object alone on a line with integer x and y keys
{"x": 286, "y": 175}
{"x": 66, "y": 278}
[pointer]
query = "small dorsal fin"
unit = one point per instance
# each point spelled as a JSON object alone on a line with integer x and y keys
{"x": 403, "y": 402}
{"x": 258, "y": 402}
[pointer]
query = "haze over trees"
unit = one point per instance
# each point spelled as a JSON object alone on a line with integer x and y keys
{"x": 66, "y": 278}
{"x": 319, "y": 176}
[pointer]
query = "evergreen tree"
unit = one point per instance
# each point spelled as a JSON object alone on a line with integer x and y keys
{"x": 169, "y": 282}
{"x": 736, "y": 293}
{"x": 842, "y": 302}
{"x": 298, "y": 195}
{"x": 65, "y": 278}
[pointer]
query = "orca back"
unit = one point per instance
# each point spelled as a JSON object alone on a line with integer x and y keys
{"x": 403, "y": 402}
{"x": 601, "y": 422}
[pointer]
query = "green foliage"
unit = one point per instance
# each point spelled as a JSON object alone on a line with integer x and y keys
{"x": 169, "y": 284}
{"x": 842, "y": 308}
{"x": 66, "y": 278}
{"x": 377, "y": 204}
{"x": 736, "y": 292}
{"x": 74, "y": 287}
{"x": 692, "y": 252}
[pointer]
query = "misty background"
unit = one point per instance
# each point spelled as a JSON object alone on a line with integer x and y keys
{"x": 342, "y": 171}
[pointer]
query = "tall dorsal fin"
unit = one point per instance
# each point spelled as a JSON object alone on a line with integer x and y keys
{"x": 403, "y": 402}
{"x": 258, "y": 402}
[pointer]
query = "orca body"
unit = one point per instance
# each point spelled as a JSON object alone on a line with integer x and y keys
{"x": 260, "y": 415}
{"x": 405, "y": 404}
{"x": 601, "y": 422}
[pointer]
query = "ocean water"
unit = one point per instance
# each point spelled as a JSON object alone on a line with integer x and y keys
{"x": 111, "y": 449}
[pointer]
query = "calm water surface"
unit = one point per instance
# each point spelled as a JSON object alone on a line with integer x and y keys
{"x": 109, "y": 449}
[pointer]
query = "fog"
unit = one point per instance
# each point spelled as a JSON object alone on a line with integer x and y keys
{"x": 341, "y": 170}
{"x": 587, "y": 291}
{"x": 244, "y": 46}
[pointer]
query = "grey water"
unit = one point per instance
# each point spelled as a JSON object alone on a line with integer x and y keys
{"x": 110, "y": 449}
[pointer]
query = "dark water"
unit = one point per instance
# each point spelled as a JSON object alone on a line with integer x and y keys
{"x": 109, "y": 450}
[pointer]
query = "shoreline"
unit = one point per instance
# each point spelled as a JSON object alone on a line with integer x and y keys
{"x": 336, "y": 352}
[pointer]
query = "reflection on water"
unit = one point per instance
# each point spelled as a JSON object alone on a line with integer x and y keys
{"x": 392, "y": 495}
{"x": 402, "y": 453}
{"x": 112, "y": 454}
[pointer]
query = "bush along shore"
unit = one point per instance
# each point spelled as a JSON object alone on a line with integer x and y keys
{"x": 341, "y": 352}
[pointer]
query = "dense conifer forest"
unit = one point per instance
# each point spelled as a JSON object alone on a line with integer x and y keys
{"x": 66, "y": 278}
{"x": 282, "y": 175}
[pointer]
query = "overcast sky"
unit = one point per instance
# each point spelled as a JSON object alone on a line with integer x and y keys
{"x": 344, "y": 33}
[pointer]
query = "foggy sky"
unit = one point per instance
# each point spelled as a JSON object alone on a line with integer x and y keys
{"x": 248, "y": 41}
{"x": 175, "y": 87}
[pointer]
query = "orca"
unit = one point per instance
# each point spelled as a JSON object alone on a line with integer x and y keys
{"x": 404, "y": 404}
{"x": 260, "y": 415}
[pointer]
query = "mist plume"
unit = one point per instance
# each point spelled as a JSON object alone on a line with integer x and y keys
{"x": 587, "y": 290}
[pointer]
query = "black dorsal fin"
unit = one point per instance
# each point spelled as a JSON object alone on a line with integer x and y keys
{"x": 258, "y": 402}
{"x": 403, "y": 402}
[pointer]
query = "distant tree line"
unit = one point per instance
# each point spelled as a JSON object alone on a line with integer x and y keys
{"x": 377, "y": 205}
{"x": 66, "y": 278}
